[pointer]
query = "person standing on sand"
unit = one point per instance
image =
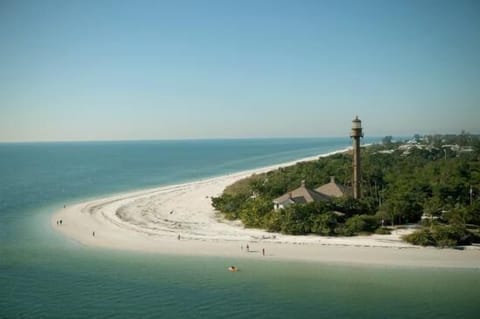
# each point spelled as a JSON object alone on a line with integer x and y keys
{"x": 248, "y": 248}
{"x": 263, "y": 251}
{"x": 178, "y": 237}
{"x": 93, "y": 234}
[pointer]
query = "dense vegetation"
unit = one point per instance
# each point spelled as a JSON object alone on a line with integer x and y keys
{"x": 432, "y": 179}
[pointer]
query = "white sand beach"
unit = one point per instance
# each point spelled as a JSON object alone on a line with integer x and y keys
{"x": 180, "y": 219}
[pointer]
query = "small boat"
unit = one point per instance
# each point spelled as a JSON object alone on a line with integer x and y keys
{"x": 232, "y": 269}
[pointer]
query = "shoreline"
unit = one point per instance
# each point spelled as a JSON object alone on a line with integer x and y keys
{"x": 179, "y": 220}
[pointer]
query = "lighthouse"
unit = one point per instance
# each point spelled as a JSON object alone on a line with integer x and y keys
{"x": 356, "y": 134}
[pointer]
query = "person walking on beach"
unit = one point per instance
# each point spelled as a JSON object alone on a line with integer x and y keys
{"x": 248, "y": 248}
{"x": 178, "y": 237}
{"x": 263, "y": 251}
{"x": 93, "y": 234}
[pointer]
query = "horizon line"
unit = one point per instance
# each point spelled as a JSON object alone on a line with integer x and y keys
{"x": 178, "y": 139}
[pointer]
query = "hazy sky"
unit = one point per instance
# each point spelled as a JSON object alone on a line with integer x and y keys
{"x": 87, "y": 70}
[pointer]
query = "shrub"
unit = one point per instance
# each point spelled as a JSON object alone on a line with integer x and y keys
{"x": 341, "y": 230}
{"x": 440, "y": 236}
{"x": 361, "y": 223}
{"x": 354, "y": 224}
{"x": 446, "y": 242}
{"x": 382, "y": 231}
{"x": 272, "y": 222}
{"x": 324, "y": 224}
{"x": 421, "y": 237}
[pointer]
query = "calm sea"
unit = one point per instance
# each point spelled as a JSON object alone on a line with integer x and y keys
{"x": 44, "y": 275}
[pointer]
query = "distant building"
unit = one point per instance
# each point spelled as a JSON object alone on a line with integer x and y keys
{"x": 333, "y": 189}
{"x": 386, "y": 152}
{"x": 466, "y": 149}
{"x": 301, "y": 195}
{"x": 304, "y": 195}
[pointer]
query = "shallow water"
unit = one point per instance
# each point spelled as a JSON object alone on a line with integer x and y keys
{"x": 42, "y": 274}
{"x": 101, "y": 284}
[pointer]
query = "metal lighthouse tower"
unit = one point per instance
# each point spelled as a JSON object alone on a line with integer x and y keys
{"x": 355, "y": 135}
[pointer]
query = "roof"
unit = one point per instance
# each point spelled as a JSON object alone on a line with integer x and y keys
{"x": 301, "y": 195}
{"x": 333, "y": 189}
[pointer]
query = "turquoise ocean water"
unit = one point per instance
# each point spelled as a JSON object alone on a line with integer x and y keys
{"x": 44, "y": 275}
